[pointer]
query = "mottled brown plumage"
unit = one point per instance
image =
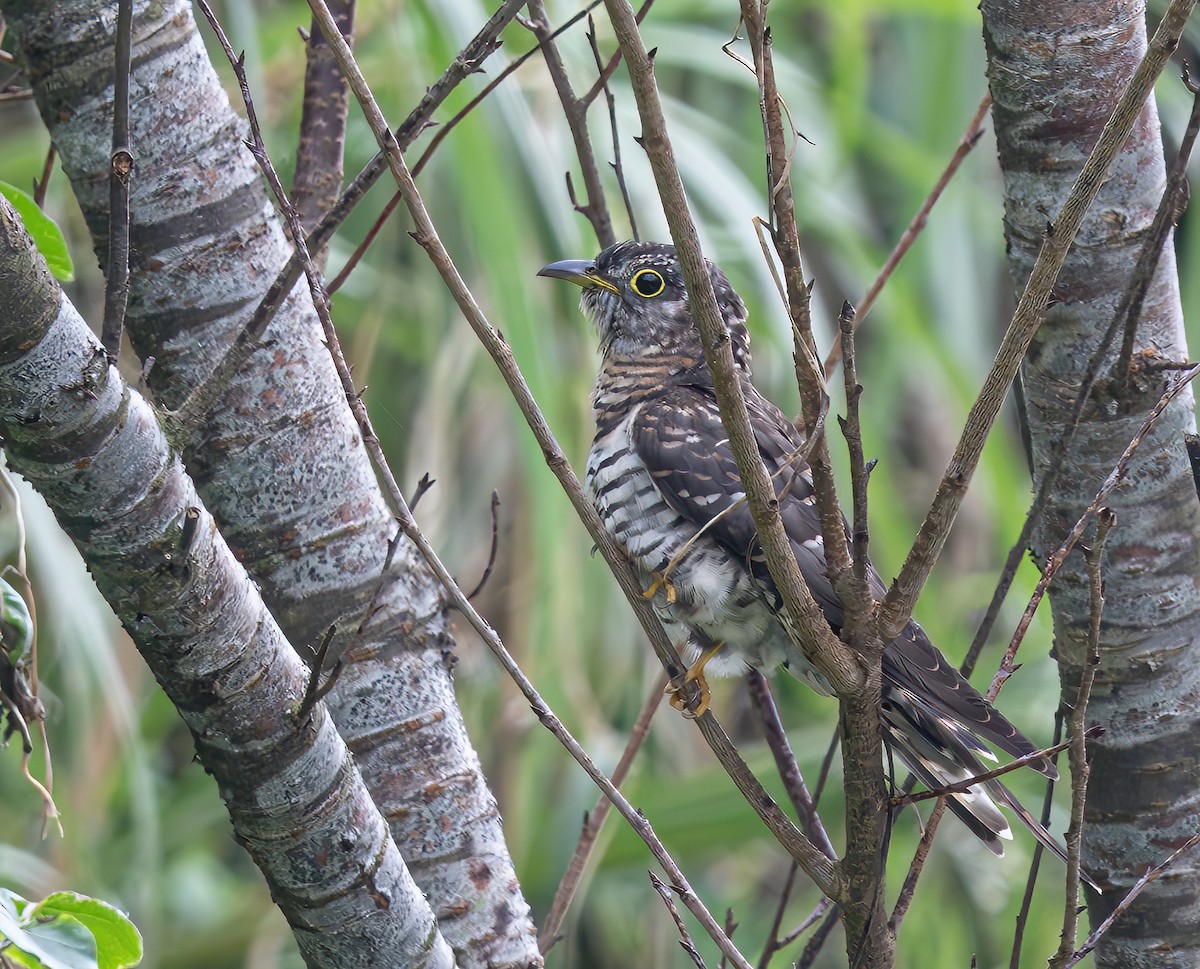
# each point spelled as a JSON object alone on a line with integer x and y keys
{"x": 663, "y": 478}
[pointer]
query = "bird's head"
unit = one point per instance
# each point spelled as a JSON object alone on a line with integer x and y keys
{"x": 634, "y": 293}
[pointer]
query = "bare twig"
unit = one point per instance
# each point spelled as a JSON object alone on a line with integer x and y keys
{"x": 811, "y": 859}
{"x": 809, "y": 921}
{"x": 611, "y": 102}
{"x": 575, "y": 111}
{"x": 1038, "y": 853}
{"x": 773, "y": 944}
{"x": 1174, "y": 201}
{"x": 548, "y": 936}
{"x": 852, "y": 430}
{"x": 316, "y": 691}
{"x": 1139, "y": 886}
{"x": 817, "y": 942}
{"x": 904, "y": 899}
{"x": 967, "y": 142}
{"x": 961, "y": 787}
{"x": 491, "y": 562}
{"x": 685, "y": 940}
{"x": 1055, "y": 562}
{"x": 1076, "y": 734}
{"x": 320, "y": 149}
{"x": 1169, "y": 208}
{"x": 42, "y": 184}
{"x": 785, "y": 762}
{"x": 201, "y": 399}
{"x": 450, "y": 125}
{"x": 898, "y": 604}
{"x": 440, "y": 136}
{"x": 116, "y": 288}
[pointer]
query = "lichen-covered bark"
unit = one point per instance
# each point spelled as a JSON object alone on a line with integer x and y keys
{"x": 96, "y": 452}
{"x": 1056, "y": 70}
{"x": 279, "y": 459}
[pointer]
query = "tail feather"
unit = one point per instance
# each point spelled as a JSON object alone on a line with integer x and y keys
{"x": 942, "y": 752}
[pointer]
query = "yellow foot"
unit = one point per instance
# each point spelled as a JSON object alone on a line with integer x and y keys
{"x": 660, "y": 582}
{"x": 693, "y": 702}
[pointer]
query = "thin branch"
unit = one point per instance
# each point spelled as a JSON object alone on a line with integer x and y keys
{"x": 811, "y": 859}
{"x": 898, "y": 604}
{"x": 491, "y": 562}
{"x": 817, "y": 942}
{"x": 908, "y": 889}
{"x": 611, "y": 102}
{"x": 685, "y": 940}
{"x": 961, "y": 787}
{"x": 548, "y": 935}
{"x": 967, "y": 142}
{"x": 1055, "y": 562}
{"x": 42, "y": 184}
{"x": 1169, "y": 207}
{"x": 773, "y": 944}
{"x": 116, "y": 288}
{"x": 1139, "y": 886}
{"x": 441, "y": 134}
{"x": 1175, "y": 199}
{"x": 361, "y": 249}
{"x": 320, "y": 155}
{"x": 785, "y": 762}
{"x": 1076, "y": 734}
{"x": 852, "y": 430}
{"x": 1039, "y": 852}
{"x": 449, "y": 126}
{"x": 204, "y": 395}
{"x": 575, "y": 111}
{"x": 809, "y": 921}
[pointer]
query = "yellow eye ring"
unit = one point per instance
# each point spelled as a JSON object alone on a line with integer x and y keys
{"x": 648, "y": 283}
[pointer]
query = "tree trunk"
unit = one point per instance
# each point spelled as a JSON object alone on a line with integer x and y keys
{"x": 96, "y": 452}
{"x": 278, "y": 459}
{"x": 1056, "y": 70}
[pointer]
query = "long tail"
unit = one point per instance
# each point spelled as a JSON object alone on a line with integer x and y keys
{"x": 942, "y": 752}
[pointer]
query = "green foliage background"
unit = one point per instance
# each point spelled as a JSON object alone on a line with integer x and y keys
{"x": 882, "y": 90}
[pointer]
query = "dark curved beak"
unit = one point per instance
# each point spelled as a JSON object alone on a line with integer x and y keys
{"x": 581, "y": 272}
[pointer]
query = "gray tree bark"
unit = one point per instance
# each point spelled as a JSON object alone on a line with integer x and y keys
{"x": 1056, "y": 70}
{"x": 96, "y": 452}
{"x": 279, "y": 459}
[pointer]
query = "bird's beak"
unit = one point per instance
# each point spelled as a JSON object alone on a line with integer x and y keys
{"x": 581, "y": 272}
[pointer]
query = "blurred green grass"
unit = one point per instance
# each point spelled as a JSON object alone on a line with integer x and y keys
{"x": 883, "y": 89}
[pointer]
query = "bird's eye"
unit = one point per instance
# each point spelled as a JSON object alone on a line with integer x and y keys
{"x": 648, "y": 283}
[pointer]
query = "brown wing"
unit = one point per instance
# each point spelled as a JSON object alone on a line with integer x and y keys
{"x": 680, "y": 438}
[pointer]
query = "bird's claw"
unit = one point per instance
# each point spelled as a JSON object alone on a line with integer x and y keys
{"x": 660, "y": 581}
{"x": 692, "y": 696}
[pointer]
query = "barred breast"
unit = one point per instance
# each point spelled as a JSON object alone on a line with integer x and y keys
{"x": 712, "y": 597}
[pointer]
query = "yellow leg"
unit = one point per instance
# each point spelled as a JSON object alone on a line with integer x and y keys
{"x": 660, "y": 581}
{"x": 695, "y": 674}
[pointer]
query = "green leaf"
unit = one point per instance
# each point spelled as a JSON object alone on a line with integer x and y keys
{"x": 59, "y": 943}
{"x": 43, "y": 230}
{"x": 17, "y": 626}
{"x": 117, "y": 941}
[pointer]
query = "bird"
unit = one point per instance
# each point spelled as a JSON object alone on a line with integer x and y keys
{"x": 662, "y": 476}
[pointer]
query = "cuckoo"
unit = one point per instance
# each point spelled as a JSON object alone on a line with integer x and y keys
{"x": 663, "y": 478}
